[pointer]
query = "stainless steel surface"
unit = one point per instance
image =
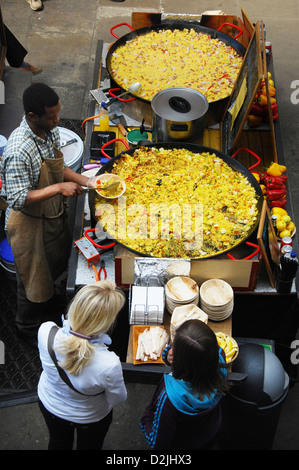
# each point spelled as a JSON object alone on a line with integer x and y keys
{"x": 179, "y": 114}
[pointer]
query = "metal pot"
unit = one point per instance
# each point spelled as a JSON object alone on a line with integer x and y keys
{"x": 140, "y": 108}
{"x": 179, "y": 115}
{"x": 234, "y": 164}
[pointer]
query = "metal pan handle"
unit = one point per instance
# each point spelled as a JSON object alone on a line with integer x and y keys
{"x": 120, "y": 24}
{"x": 249, "y": 256}
{"x": 233, "y": 26}
{"x": 111, "y": 142}
{"x": 115, "y": 97}
{"x": 252, "y": 153}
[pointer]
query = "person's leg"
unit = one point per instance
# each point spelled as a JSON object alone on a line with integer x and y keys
{"x": 61, "y": 432}
{"x": 91, "y": 436}
{"x": 15, "y": 52}
{"x": 29, "y": 314}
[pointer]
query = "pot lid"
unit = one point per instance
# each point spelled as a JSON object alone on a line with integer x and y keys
{"x": 71, "y": 153}
{"x": 180, "y": 104}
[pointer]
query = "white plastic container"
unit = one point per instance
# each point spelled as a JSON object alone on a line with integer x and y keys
{"x": 72, "y": 153}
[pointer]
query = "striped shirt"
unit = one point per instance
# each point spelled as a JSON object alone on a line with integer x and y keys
{"x": 21, "y": 163}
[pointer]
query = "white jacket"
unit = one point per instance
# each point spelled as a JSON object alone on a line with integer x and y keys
{"x": 103, "y": 373}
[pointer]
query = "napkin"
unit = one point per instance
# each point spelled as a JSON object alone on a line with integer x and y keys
{"x": 147, "y": 305}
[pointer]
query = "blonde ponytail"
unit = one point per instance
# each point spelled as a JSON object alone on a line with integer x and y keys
{"x": 92, "y": 312}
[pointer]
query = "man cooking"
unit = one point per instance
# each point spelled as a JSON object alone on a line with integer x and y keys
{"x": 37, "y": 183}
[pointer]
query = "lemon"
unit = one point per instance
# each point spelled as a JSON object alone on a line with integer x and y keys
{"x": 286, "y": 218}
{"x": 285, "y": 233}
{"x": 220, "y": 336}
{"x": 278, "y": 217}
{"x": 230, "y": 355}
{"x": 291, "y": 227}
{"x": 281, "y": 225}
{"x": 229, "y": 345}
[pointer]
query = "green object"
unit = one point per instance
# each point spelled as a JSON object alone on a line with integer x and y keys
{"x": 135, "y": 136}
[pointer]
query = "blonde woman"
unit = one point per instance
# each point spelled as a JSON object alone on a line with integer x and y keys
{"x": 81, "y": 379}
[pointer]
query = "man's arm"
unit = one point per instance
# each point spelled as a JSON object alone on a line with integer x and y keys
{"x": 71, "y": 187}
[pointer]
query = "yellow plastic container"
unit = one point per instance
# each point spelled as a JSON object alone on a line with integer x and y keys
{"x": 104, "y": 121}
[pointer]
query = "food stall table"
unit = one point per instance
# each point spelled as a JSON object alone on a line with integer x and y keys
{"x": 259, "y": 311}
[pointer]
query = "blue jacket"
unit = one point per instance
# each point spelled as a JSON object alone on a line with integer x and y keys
{"x": 178, "y": 419}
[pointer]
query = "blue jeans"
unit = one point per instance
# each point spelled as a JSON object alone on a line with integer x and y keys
{"x": 89, "y": 436}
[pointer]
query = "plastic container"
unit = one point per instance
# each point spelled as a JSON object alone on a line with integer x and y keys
{"x": 72, "y": 153}
{"x": 251, "y": 409}
{"x": 7, "y": 259}
{"x": 104, "y": 120}
{"x": 135, "y": 136}
{"x": 3, "y": 142}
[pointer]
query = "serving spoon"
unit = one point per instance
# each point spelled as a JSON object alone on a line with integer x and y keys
{"x": 110, "y": 186}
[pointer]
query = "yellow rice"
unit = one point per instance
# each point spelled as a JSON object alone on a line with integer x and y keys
{"x": 165, "y": 59}
{"x": 180, "y": 177}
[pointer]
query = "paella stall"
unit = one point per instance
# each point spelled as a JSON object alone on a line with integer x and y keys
{"x": 202, "y": 150}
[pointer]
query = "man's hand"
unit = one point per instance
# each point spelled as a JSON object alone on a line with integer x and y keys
{"x": 170, "y": 356}
{"x": 92, "y": 182}
{"x": 69, "y": 189}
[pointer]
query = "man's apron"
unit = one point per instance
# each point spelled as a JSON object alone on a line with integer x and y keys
{"x": 39, "y": 236}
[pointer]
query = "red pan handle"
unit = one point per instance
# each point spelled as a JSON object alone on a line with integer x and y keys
{"x": 247, "y": 257}
{"x": 233, "y": 26}
{"x": 252, "y": 153}
{"x": 105, "y": 247}
{"x": 119, "y": 99}
{"x": 111, "y": 142}
{"x": 120, "y": 24}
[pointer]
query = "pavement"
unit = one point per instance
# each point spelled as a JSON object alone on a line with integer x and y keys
{"x": 62, "y": 38}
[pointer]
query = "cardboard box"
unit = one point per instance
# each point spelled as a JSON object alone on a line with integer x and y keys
{"x": 240, "y": 274}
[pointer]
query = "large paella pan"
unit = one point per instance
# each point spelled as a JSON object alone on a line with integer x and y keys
{"x": 175, "y": 194}
{"x": 176, "y": 54}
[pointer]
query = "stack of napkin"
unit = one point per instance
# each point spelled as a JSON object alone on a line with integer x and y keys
{"x": 147, "y": 305}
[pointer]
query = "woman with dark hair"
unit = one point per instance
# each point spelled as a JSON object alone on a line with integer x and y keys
{"x": 184, "y": 412}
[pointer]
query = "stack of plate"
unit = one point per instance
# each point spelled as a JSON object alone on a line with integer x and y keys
{"x": 184, "y": 313}
{"x": 179, "y": 291}
{"x": 216, "y": 299}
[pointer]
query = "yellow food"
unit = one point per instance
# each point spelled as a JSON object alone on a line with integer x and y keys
{"x": 257, "y": 176}
{"x": 164, "y": 189}
{"x": 291, "y": 227}
{"x": 179, "y": 58}
{"x": 284, "y": 233}
{"x": 284, "y": 224}
{"x": 278, "y": 210}
{"x": 113, "y": 192}
{"x": 286, "y": 219}
{"x": 228, "y": 344}
{"x": 281, "y": 225}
